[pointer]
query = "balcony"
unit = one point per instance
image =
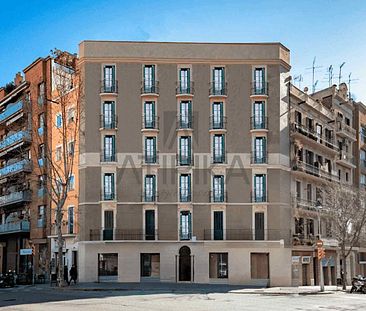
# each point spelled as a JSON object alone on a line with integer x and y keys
{"x": 218, "y": 159}
{"x": 313, "y": 171}
{"x": 218, "y": 196}
{"x": 149, "y": 197}
{"x": 346, "y": 159}
{"x": 259, "y": 89}
{"x": 15, "y": 168}
{"x": 109, "y": 87}
{"x": 305, "y": 204}
{"x": 15, "y": 197}
{"x": 11, "y": 111}
{"x": 345, "y": 130}
{"x": 108, "y": 156}
{"x": 185, "y": 198}
{"x": 17, "y": 227}
{"x": 13, "y": 140}
{"x": 311, "y": 137}
{"x": 108, "y": 122}
{"x": 217, "y": 89}
{"x": 184, "y": 122}
{"x": 246, "y": 235}
{"x": 257, "y": 158}
{"x": 151, "y": 158}
{"x": 122, "y": 234}
{"x": 150, "y": 88}
{"x": 300, "y": 239}
{"x": 108, "y": 196}
{"x": 184, "y": 89}
{"x": 150, "y": 123}
{"x": 259, "y": 123}
{"x": 258, "y": 197}
{"x": 184, "y": 160}
{"x": 217, "y": 123}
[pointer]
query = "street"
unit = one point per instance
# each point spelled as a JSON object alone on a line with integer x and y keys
{"x": 46, "y": 298}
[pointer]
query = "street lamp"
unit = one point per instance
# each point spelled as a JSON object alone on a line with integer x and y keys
{"x": 320, "y": 244}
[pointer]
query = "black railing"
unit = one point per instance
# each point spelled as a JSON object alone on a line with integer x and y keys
{"x": 185, "y": 123}
{"x": 151, "y": 87}
{"x": 217, "y": 123}
{"x": 258, "y": 197}
{"x": 151, "y": 158}
{"x": 184, "y": 88}
{"x": 246, "y": 234}
{"x": 108, "y": 196}
{"x": 218, "y": 196}
{"x": 150, "y": 122}
{"x": 108, "y": 121}
{"x": 259, "y": 158}
{"x": 259, "y": 123}
{"x": 107, "y": 157}
{"x": 109, "y": 86}
{"x": 149, "y": 197}
{"x": 218, "y": 159}
{"x": 184, "y": 160}
{"x": 184, "y": 197}
{"x": 122, "y": 234}
{"x": 259, "y": 88}
{"x": 218, "y": 89}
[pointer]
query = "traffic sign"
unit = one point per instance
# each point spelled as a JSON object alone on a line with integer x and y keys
{"x": 25, "y": 251}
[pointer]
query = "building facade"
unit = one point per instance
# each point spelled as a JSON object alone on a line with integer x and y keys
{"x": 184, "y": 171}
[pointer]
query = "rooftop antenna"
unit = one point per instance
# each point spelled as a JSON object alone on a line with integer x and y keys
{"x": 349, "y": 84}
{"x": 299, "y": 79}
{"x": 340, "y": 73}
{"x": 314, "y": 86}
{"x": 313, "y": 70}
{"x": 330, "y": 75}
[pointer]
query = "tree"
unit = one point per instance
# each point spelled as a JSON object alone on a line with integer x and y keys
{"x": 345, "y": 207}
{"x": 63, "y": 122}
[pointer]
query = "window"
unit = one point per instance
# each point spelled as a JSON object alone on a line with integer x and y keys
{"x": 58, "y": 153}
{"x": 260, "y": 188}
{"x": 149, "y": 224}
{"x": 185, "y": 188}
{"x": 149, "y": 78}
{"x": 41, "y": 120}
{"x": 109, "y": 148}
{"x": 299, "y": 227}
{"x": 70, "y": 220}
{"x": 70, "y": 115}
{"x": 109, "y": 117}
{"x": 259, "y": 226}
{"x": 150, "y": 188}
{"x": 219, "y": 148}
{"x": 41, "y": 216}
{"x": 298, "y": 189}
{"x": 185, "y": 225}
{"x": 108, "y": 267}
{"x": 218, "y": 83}
{"x": 109, "y": 82}
{"x": 310, "y": 227}
{"x": 259, "y": 81}
{"x": 218, "y": 224}
{"x": 184, "y": 81}
{"x": 347, "y": 176}
{"x": 185, "y": 150}
{"x": 218, "y": 194}
{"x": 259, "y": 263}
{"x": 218, "y": 263}
{"x": 363, "y": 133}
{"x": 260, "y": 147}
{"x": 150, "y": 265}
{"x": 149, "y": 115}
{"x": 217, "y": 115}
{"x": 309, "y": 192}
{"x": 41, "y": 154}
{"x": 363, "y": 179}
{"x": 71, "y": 185}
{"x": 71, "y": 148}
{"x": 108, "y": 186}
{"x": 58, "y": 120}
{"x": 41, "y": 93}
{"x": 108, "y": 225}
{"x": 258, "y": 119}
{"x": 363, "y": 157}
{"x": 185, "y": 116}
{"x": 150, "y": 150}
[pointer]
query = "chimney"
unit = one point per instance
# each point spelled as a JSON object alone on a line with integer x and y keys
{"x": 18, "y": 79}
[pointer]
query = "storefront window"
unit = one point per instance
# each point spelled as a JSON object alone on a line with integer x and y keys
{"x": 218, "y": 265}
{"x": 150, "y": 265}
{"x": 108, "y": 266}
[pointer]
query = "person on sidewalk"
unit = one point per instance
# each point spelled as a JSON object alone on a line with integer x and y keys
{"x": 73, "y": 274}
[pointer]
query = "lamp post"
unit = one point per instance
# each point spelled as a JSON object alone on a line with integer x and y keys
{"x": 320, "y": 245}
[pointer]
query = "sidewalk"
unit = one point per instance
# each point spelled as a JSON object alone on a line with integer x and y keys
{"x": 301, "y": 290}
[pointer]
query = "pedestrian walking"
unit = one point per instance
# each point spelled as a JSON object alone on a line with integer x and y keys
{"x": 73, "y": 274}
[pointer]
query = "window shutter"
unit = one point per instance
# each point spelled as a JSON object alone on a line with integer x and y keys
{"x": 190, "y": 112}
{"x": 189, "y": 224}
{"x": 264, "y": 140}
{"x": 112, "y": 185}
{"x": 113, "y": 77}
{"x": 189, "y": 149}
{"x": 189, "y": 186}
{"x": 154, "y": 148}
{"x": 264, "y": 186}
{"x": 213, "y": 145}
{"x": 222, "y": 186}
{"x": 221, "y": 113}
{"x": 180, "y": 149}
{"x": 113, "y": 147}
{"x": 223, "y": 77}
{"x": 223, "y": 147}
{"x": 153, "y": 75}
{"x": 154, "y": 185}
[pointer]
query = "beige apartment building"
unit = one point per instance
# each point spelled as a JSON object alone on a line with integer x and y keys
{"x": 184, "y": 169}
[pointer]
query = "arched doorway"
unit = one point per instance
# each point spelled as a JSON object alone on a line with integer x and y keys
{"x": 185, "y": 264}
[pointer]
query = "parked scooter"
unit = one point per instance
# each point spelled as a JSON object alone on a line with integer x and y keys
{"x": 359, "y": 284}
{"x": 7, "y": 279}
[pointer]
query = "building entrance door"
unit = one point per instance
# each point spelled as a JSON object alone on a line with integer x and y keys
{"x": 185, "y": 264}
{"x": 305, "y": 275}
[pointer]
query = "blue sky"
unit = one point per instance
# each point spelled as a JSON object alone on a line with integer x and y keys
{"x": 332, "y": 30}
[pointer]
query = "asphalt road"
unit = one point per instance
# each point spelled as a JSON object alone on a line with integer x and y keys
{"x": 45, "y": 298}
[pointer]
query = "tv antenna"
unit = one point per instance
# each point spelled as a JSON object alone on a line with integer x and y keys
{"x": 314, "y": 86}
{"x": 299, "y": 79}
{"x": 340, "y": 73}
{"x": 349, "y": 84}
{"x": 330, "y": 75}
{"x": 313, "y": 71}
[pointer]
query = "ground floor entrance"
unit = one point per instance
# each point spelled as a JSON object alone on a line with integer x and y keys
{"x": 185, "y": 272}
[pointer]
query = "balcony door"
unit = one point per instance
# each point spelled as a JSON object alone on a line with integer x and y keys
{"x": 259, "y": 226}
{"x": 218, "y": 76}
{"x": 108, "y": 115}
{"x": 109, "y": 78}
{"x": 217, "y": 115}
{"x": 149, "y": 77}
{"x": 108, "y": 225}
{"x": 184, "y": 80}
{"x": 258, "y": 115}
{"x": 149, "y": 114}
{"x": 150, "y": 225}
{"x": 218, "y": 224}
